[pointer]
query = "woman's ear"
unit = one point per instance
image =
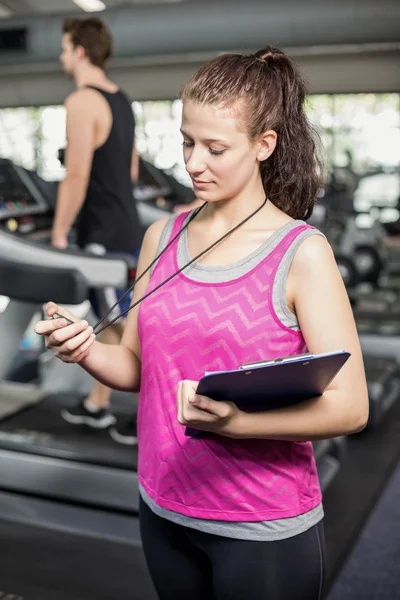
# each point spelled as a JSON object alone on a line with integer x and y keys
{"x": 267, "y": 143}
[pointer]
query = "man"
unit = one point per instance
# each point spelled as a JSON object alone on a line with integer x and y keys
{"x": 101, "y": 164}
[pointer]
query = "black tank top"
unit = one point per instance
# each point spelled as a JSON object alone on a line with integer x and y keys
{"x": 109, "y": 215}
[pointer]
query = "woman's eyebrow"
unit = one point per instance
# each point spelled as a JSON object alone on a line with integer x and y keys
{"x": 208, "y": 140}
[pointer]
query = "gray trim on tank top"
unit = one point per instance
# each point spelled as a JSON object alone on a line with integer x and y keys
{"x": 219, "y": 274}
{"x": 259, "y": 530}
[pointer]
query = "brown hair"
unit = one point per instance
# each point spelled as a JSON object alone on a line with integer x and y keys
{"x": 273, "y": 91}
{"x": 94, "y": 37}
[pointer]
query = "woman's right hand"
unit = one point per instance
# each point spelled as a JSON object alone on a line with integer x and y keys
{"x": 70, "y": 343}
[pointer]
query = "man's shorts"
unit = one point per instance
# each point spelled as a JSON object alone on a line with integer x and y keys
{"x": 103, "y": 299}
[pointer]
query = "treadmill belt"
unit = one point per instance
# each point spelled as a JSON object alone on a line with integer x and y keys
{"x": 10, "y": 405}
{"x": 16, "y": 396}
{"x": 40, "y": 564}
{"x": 41, "y": 430}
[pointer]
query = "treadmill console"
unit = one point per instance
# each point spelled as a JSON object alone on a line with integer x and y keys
{"x": 18, "y": 196}
{"x": 23, "y": 208}
{"x": 152, "y": 185}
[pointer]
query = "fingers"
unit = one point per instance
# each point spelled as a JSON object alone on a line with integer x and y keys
{"x": 201, "y": 412}
{"x": 179, "y": 402}
{"x": 203, "y": 403}
{"x": 51, "y": 326}
{"x": 46, "y": 327}
{"x": 73, "y": 341}
{"x": 81, "y": 351}
{"x": 75, "y": 347}
{"x": 188, "y": 388}
{"x": 65, "y": 334}
{"x": 190, "y": 406}
{"x": 221, "y": 410}
{"x": 51, "y": 309}
{"x": 68, "y": 338}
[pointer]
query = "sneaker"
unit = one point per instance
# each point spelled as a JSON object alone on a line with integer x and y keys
{"x": 80, "y": 415}
{"x": 125, "y": 432}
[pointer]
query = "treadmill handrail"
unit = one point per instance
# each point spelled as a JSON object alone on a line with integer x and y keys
{"x": 33, "y": 283}
{"x": 98, "y": 271}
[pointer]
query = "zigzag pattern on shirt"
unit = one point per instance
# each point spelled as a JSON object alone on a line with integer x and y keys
{"x": 205, "y": 324}
{"x": 187, "y": 328}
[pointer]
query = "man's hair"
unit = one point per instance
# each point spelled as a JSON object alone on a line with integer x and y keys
{"x": 94, "y": 37}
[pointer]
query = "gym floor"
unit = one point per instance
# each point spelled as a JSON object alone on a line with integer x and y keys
{"x": 371, "y": 460}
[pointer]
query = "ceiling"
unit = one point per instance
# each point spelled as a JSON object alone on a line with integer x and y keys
{"x": 24, "y": 8}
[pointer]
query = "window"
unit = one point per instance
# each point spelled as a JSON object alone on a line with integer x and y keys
{"x": 360, "y": 135}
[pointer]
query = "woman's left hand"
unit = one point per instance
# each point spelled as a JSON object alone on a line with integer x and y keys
{"x": 201, "y": 412}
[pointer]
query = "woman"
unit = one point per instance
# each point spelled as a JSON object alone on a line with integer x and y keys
{"x": 236, "y": 514}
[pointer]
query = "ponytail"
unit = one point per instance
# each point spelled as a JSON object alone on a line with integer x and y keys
{"x": 292, "y": 176}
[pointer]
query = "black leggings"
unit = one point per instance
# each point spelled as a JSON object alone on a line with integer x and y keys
{"x": 186, "y": 564}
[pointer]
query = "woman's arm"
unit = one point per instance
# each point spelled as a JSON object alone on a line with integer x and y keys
{"x": 315, "y": 288}
{"x": 117, "y": 366}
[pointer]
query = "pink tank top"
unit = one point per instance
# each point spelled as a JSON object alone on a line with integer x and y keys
{"x": 186, "y": 328}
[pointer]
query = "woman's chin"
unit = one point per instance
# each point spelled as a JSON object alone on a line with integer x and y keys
{"x": 204, "y": 196}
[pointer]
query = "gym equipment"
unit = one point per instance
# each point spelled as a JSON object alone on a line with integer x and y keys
{"x": 380, "y": 338}
{"x": 158, "y": 188}
{"x": 55, "y": 551}
{"x": 348, "y": 270}
{"x": 358, "y": 261}
{"x": 41, "y": 454}
{"x": 329, "y": 456}
{"x": 355, "y": 236}
{"x": 383, "y": 380}
{"x": 357, "y": 241}
{"x": 380, "y": 343}
{"x": 27, "y": 203}
{"x": 333, "y": 229}
{"x": 369, "y": 263}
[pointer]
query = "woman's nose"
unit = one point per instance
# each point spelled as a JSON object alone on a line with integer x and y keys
{"x": 195, "y": 162}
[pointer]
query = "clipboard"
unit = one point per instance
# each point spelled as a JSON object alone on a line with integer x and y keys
{"x": 272, "y": 384}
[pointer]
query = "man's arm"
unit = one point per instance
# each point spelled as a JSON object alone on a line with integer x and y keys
{"x": 135, "y": 166}
{"x": 78, "y": 162}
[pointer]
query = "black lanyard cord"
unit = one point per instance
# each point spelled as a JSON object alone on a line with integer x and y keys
{"x": 195, "y": 213}
{"x": 176, "y": 272}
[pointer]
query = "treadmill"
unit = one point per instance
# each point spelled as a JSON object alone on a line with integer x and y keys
{"x": 40, "y": 454}
{"x": 70, "y": 496}
{"x": 156, "y": 187}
